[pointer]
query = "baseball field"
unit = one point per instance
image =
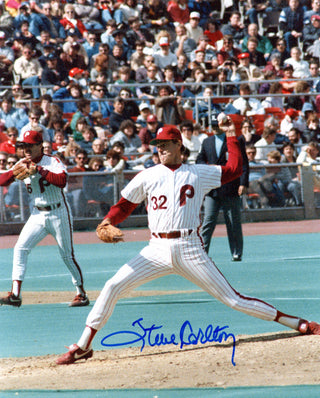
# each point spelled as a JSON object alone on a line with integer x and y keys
{"x": 167, "y": 338}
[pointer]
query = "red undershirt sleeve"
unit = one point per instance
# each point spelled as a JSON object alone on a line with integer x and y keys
{"x": 120, "y": 211}
{"x": 233, "y": 168}
{"x": 59, "y": 180}
{"x": 6, "y": 178}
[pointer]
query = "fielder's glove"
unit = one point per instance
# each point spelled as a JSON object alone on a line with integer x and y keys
{"x": 24, "y": 169}
{"x": 108, "y": 233}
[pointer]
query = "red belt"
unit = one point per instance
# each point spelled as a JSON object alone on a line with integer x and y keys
{"x": 170, "y": 235}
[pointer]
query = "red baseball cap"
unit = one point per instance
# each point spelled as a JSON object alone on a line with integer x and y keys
{"x": 32, "y": 137}
{"x": 167, "y": 133}
{"x": 293, "y": 113}
{"x": 152, "y": 119}
{"x": 75, "y": 71}
{"x": 243, "y": 55}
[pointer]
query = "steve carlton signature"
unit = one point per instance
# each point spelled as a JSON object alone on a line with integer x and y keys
{"x": 152, "y": 336}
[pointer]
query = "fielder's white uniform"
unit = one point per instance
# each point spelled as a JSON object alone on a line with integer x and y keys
{"x": 50, "y": 214}
{"x": 174, "y": 201}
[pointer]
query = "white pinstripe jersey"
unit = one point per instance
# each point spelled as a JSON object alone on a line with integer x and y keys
{"x": 42, "y": 192}
{"x": 174, "y": 197}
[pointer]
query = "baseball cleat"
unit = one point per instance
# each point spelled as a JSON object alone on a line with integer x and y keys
{"x": 74, "y": 354}
{"x": 81, "y": 300}
{"x": 309, "y": 328}
{"x": 11, "y": 299}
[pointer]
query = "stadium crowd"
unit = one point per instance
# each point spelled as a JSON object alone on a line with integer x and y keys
{"x": 98, "y": 78}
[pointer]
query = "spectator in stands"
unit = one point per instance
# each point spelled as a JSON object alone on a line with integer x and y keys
{"x": 47, "y": 148}
{"x": 88, "y": 136}
{"x": 281, "y": 49}
{"x": 254, "y": 8}
{"x": 120, "y": 40}
{"x": 296, "y": 138}
{"x": 289, "y": 156}
{"x": 29, "y": 70}
{"x": 100, "y": 125}
{"x": 194, "y": 30}
{"x": 53, "y": 75}
{"x": 246, "y": 104}
{"x": 212, "y": 29}
{"x": 100, "y": 188}
{"x": 6, "y": 60}
{"x": 83, "y": 111}
{"x": 34, "y": 115}
{"x": 274, "y": 101}
{"x": 6, "y": 20}
{"x": 205, "y": 108}
{"x": 228, "y": 51}
{"x": 209, "y": 66}
{"x": 91, "y": 44}
{"x": 266, "y": 143}
{"x": 130, "y": 105}
{"x": 119, "y": 57}
{"x": 71, "y": 58}
{"x": 311, "y": 34}
{"x": 300, "y": 67}
{"x": 71, "y": 21}
{"x": 255, "y": 173}
{"x": 314, "y": 74}
{"x": 129, "y": 8}
{"x": 182, "y": 43}
{"x": 182, "y": 71}
{"x": 249, "y": 133}
{"x": 312, "y": 132}
{"x": 315, "y": 10}
{"x": 75, "y": 193}
{"x": 287, "y": 84}
{"x": 234, "y": 28}
{"x": 59, "y": 141}
{"x": 289, "y": 121}
{"x": 168, "y": 108}
{"x": 3, "y": 161}
{"x": 137, "y": 33}
{"x": 118, "y": 115}
{"x": 9, "y": 114}
{"x": 11, "y": 161}
{"x": 164, "y": 56}
{"x": 70, "y": 152}
{"x": 256, "y": 57}
{"x": 178, "y": 11}
{"x": 274, "y": 65}
{"x": 150, "y": 90}
{"x": 141, "y": 72}
{"x": 127, "y": 134}
{"x": 52, "y": 24}
{"x": 264, "y": 44}
{"x": 72, "y": 92}
{"x": 155, "y": 16}
{"x": 309, "y": 154}
{"x": 291, "y": 23}
{"x": 189, "y": 140}
{"x": 248, "y": 71}
{"x": 124, "y": 73}
{"x": 138, "y": 56}
{"x": 9, "y": 146}
{"x": 149, "y": 132}
{"x": 153, "y": 160}
{"x": 88, "y": 14}
{"x": 109, "y": 10}
{"x": 99, "y": 101}
{"x": 98, "y": 147}
{"x": 101, "y": 65}
{"x": 144, "y": 112}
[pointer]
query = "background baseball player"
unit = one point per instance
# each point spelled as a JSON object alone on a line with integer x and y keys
{"x": 45, "y": 177}
{"x": 174, "y": 192}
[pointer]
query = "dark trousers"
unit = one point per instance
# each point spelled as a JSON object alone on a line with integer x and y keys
{"x": 231, "y": 209}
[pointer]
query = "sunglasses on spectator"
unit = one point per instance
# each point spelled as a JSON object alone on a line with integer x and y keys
{"x": 34, "y": 117}
{"x": 11, "y": 162}
{"x": 81, "y": 158}
{"x": 3, "y": 160}
{"x": 12, "y": 135}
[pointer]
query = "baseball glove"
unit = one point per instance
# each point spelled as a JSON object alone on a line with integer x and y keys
{"x": 22, "y": 170}
{"x": 108, "y": 233}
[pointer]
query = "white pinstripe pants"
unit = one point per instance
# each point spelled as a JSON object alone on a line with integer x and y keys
{"x": 184, "y": 257}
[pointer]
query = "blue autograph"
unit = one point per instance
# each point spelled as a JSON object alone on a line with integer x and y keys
{"x": 150, "y": 336}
